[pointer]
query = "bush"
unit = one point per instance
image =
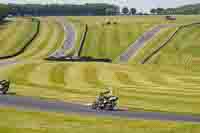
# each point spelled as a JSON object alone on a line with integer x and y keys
{"x": 115, "y": 22}
{"x": 3, "y": 11}
{"x": 108, "y": 23}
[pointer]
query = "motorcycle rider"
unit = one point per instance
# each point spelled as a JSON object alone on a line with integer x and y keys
{"x": 4, "y": 86}
{"x": 104, "y": 95}
{"x": 105, "y": 101}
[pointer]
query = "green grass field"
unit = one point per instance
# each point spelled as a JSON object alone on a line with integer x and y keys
{"x": 147, "y": 87}
{"x": 110, "y": 40}
{"x": 36, "y": 122}
{"x": 139, "y": 87}
{"x": 153, "y": 44}
{"x": 23, "y": 30}
{"x": 169, "y": 83}
{"x": 183, "y": 49}
{"x": 50, "y": 38}
{"x": 80, "y": 29}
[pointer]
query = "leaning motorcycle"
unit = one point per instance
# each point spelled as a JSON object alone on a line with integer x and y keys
{"x": 105, "y": 103}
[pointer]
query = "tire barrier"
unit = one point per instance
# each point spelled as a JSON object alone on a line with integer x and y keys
{"x": 79, "y": 59}
{"x": 167, "y": 41}
{"x": 27, "y": 43}
{"x": 83, "y": 40}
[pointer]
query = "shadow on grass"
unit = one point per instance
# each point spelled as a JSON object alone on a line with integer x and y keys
{"x": 11, "y": 94}
{"x": 4, "y": 22}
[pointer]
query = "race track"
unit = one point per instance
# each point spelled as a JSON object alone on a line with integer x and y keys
{"x": 69, "y": 41}
{"x": 67, "y": 108}
{"x": 140, "y": 43}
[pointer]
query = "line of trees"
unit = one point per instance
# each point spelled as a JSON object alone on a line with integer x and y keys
{"x": 58, "y": 10}
{"x": 127, "y": 11}
{"x": 3, "y": 11}
{"x": 184, "y": 10}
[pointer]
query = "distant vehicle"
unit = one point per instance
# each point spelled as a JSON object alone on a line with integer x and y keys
{"x": 4, "y": 86}
{"x": 105, "y": 101}
{"x": 170, "y": 17}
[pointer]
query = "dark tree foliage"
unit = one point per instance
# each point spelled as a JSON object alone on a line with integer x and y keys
{"x": 3, "y": 11}
{"x": 183, "y": 10}
{"x": 133, "y": 11}
{"x": 64, "y": 10}
{"x": 153, "y": 11}
{"x": 160, "y": 10}
{"x": 125, "y": 10}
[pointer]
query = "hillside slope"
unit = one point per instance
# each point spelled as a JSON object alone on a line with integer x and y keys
{"x": 182, "y": 50}
{"x": 142, "y": 87}
{"x": 24, "y": 29}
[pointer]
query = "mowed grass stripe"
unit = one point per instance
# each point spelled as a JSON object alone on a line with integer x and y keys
{"x": 30, "y": 29}
{"x": 49, "y": 39}
{"x": 110, "y": 40}
{"x": 152, "y": 45}
{"x": 135, "y": 89}
{"x": 91, "y": 76}
{"x": 75, "y": 77}
{"x": 38, "y": 42}
{"x": 7, "y": 29}
{"x": 91, "y": 41}
{"x": 44, "y": 71}
{"x": 179, "y": 50}
{"x": 44, "y": 46}
{"x": 58, "y": 74}
{"x": 13, "y": 40}
{"x": 19, "y": 75}
{"x": 36, "y": 121}
{"x": 54, "y": 41}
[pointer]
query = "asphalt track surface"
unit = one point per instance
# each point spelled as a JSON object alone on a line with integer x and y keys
{"x": 140, "y": 43}
{"x": 69, "y": 41}
{"x": 67, "y": 108}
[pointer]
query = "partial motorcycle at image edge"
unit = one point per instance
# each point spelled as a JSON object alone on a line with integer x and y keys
{"x": 4, "y": 86}
{"x": 105, "y": 102}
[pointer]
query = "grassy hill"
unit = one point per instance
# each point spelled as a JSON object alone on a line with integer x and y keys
{"x": 192, "y": 9}
{"x": 168, "y": 83}
{"x": 184, "y": 10}
{"x": 153, "y": 44}
{"x": 37, "y": 122}
{"x": 182, "y": 50}
{"x": 110, "y": 40}
{"x": 49, "y": 38}
{"x": 184, "y": 36}
{"x": 106, "y": 40}
{"x": 24, "y": 30}
{"x": 148, "y": 87}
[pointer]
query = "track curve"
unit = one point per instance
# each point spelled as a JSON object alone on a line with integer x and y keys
{"x": 69, "y": 41}
{"x": 140, "y": 43}
{"x": 57, "y": 106}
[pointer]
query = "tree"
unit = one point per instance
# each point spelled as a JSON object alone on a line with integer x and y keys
{"x": 160, "y": 10}
{"x": 153, "y": 11}
{"x": 3, "y": 11}
{"x": 133, "y": 11}
{"x": 64, "y": 10}
{"x": 125, "y": 10}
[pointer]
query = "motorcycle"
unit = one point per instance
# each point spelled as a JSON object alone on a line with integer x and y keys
{"x": 105, "y": 103}
{"x": 4, "y": 86}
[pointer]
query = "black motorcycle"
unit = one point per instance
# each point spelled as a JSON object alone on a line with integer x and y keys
{"x": 105, "y": 103}
{"x": 4, "y": 86}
